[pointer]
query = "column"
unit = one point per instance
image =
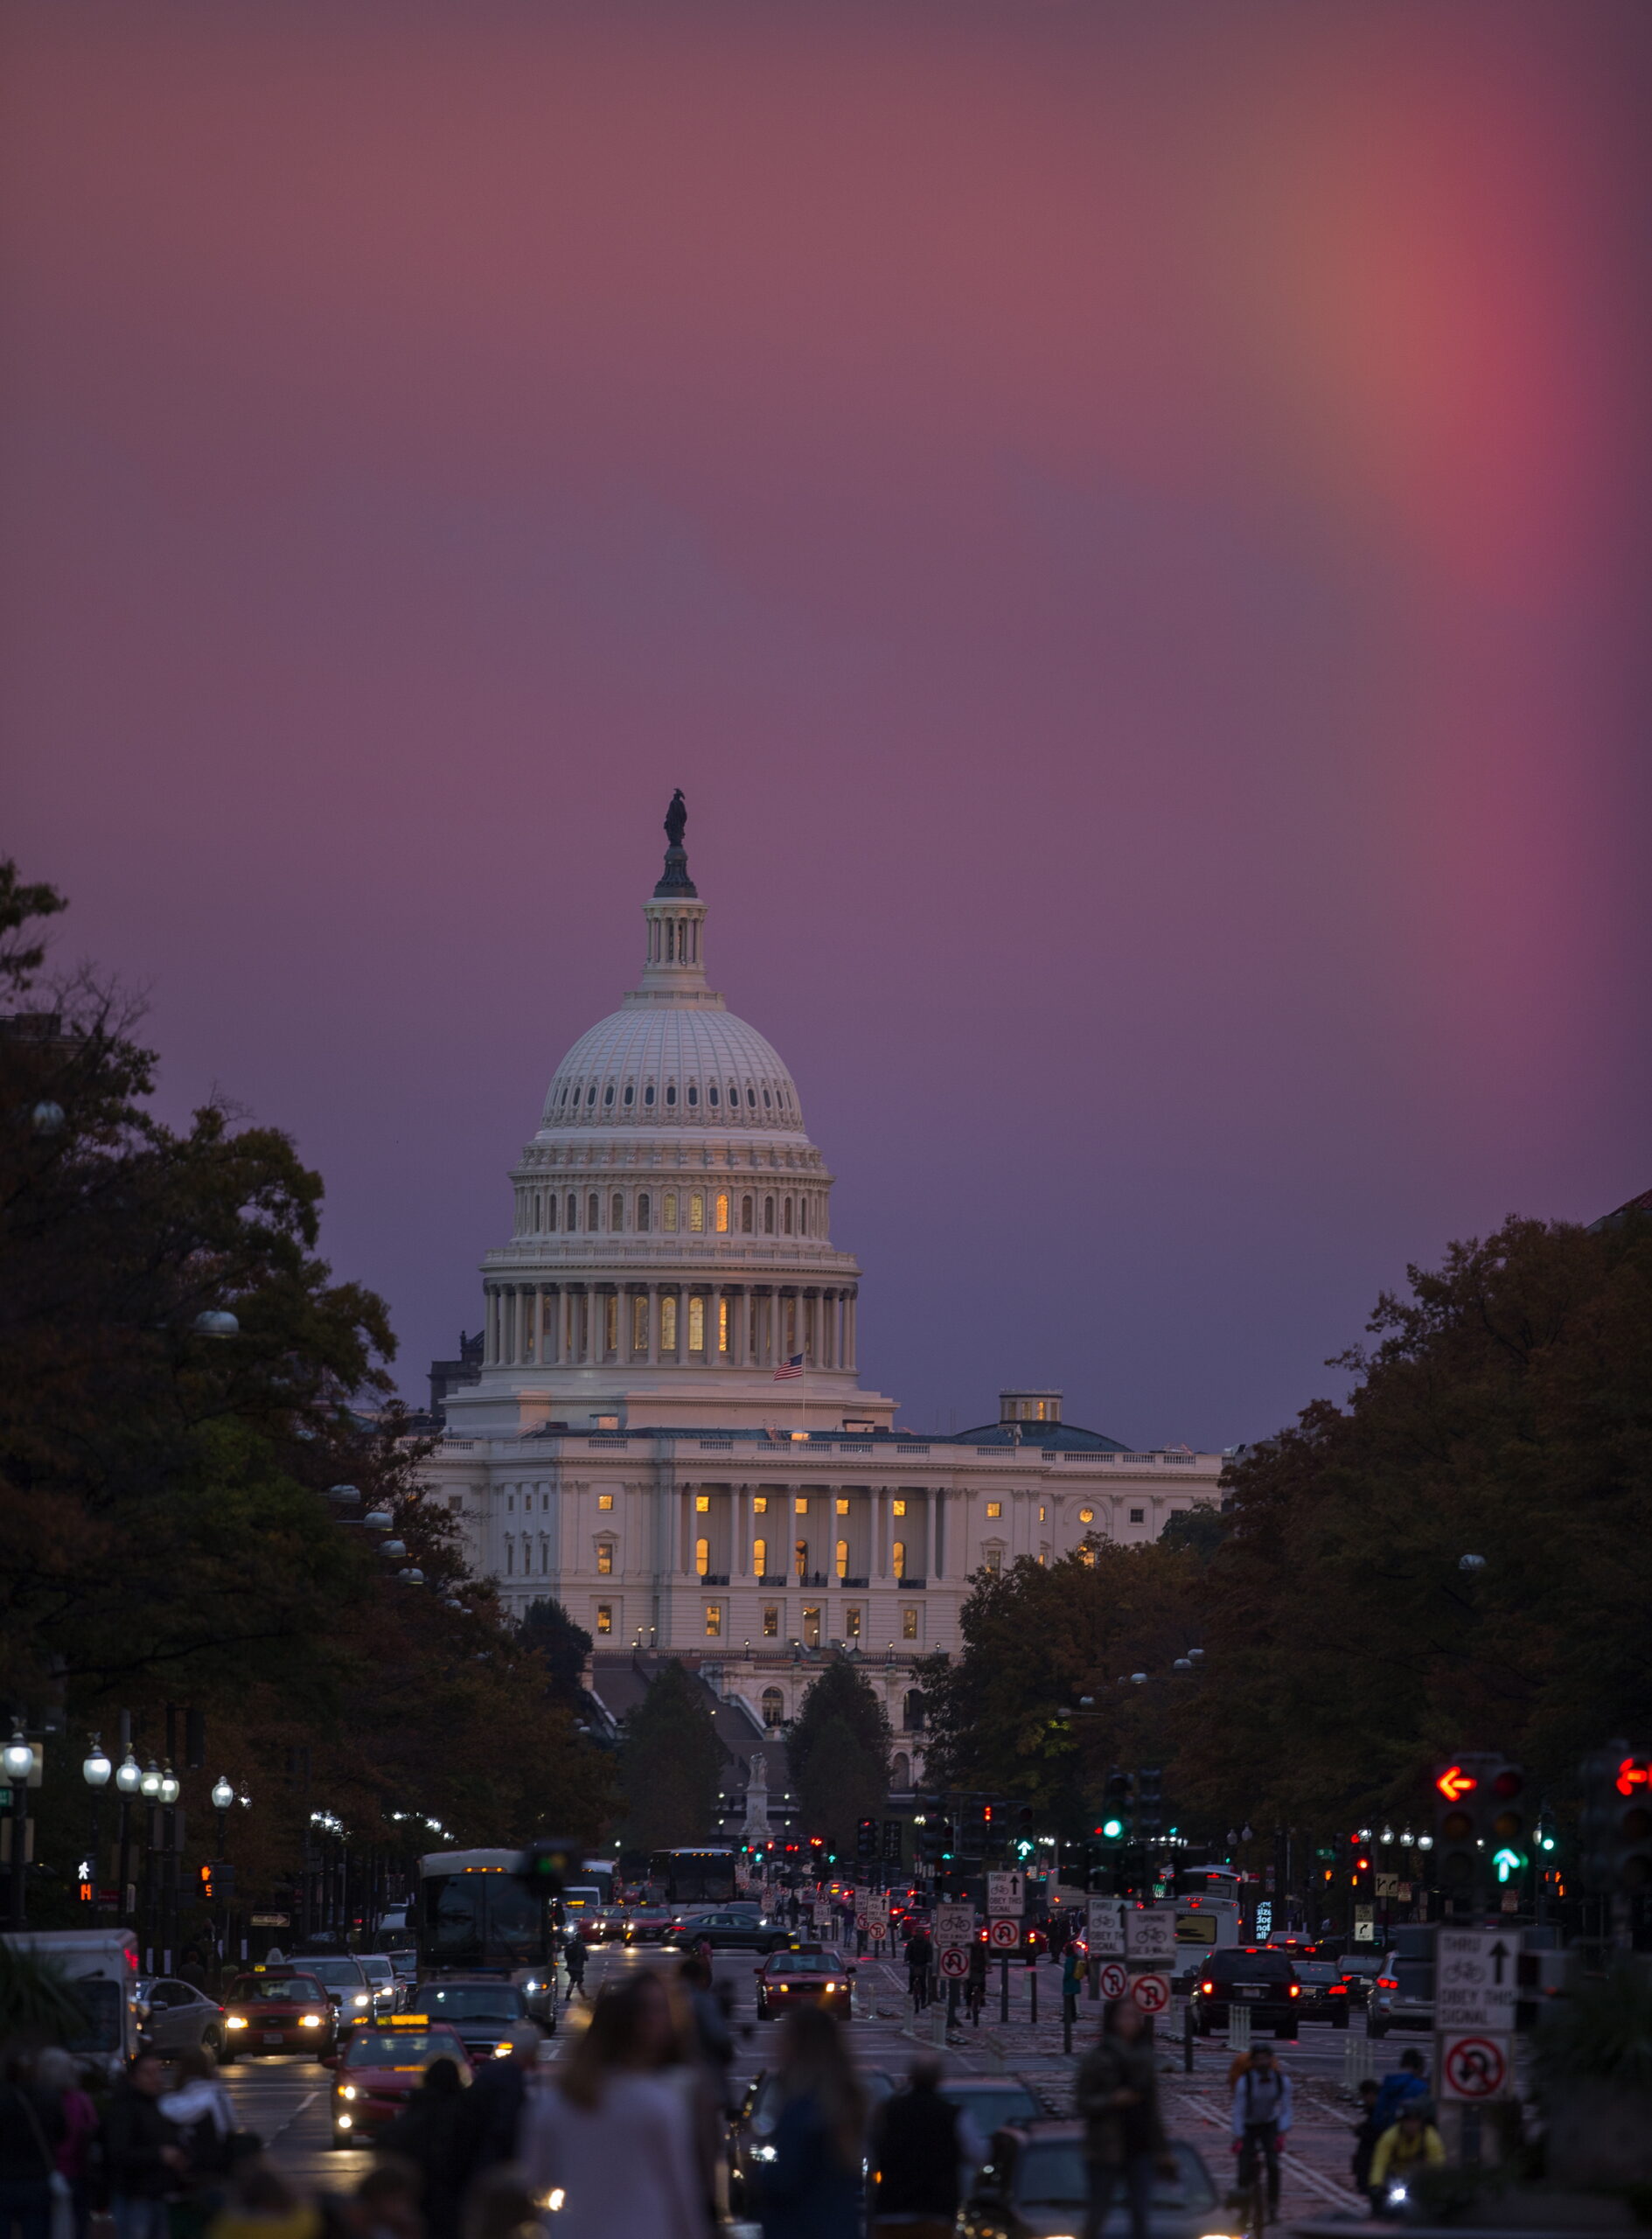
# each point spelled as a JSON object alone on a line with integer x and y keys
{"x": 848, "y": 1330}
{"x": 653, "y": 1325}
{"x": 741, "y": 1565}
{"x": 489, "y": 1354}
{"x": 928, "y": 1535}
{"x": 531, "y": 1298}
{"x": 737, "y": 1324}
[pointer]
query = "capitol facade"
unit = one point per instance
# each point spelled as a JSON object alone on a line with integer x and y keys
{"x": 667, "y": 1432}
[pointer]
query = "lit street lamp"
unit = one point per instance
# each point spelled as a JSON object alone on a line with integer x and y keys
{"x": 96, "y": 1771}
{"x": 128, "y": 1783}
{"x": 18, "y": 1760}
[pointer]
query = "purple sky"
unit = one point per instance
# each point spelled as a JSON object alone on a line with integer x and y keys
{"x": 1131, "y": 535}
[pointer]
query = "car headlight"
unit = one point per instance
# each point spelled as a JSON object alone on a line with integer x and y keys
{"x": 235, "y": 2020}
{"x": 341, "y": 2122}
{"x": 346, "y": 2090}
{"x": 553, "y": 2199}
{"x": 361, "y": 1998}
{"x": 309, "y": 2021}
{"x": 501, "y": 2052}
{"x": 765, "y": 2153}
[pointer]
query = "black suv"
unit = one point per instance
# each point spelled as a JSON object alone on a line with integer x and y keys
{"x": 1263, "y": 1982}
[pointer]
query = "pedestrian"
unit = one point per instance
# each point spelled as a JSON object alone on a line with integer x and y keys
{"x": 1365, "y": 2136}
{"x": 1072, "y": 1981}
{"x": 430, "y": 2133}
{"x": 918, "y": 1950}
{"x": 491, "y": 2125}
{"x": 146, "y": 2162}
{"x": 202, "y": 2114}
{"x": 385, "y": 2205}
{"x": 609, "y": 2143}
{"x": 58, "y": 2078}
{"x": 920, "y": 2142}
{"x": 1262, "y": 2114}
{"x": 1408, "y": 2081}
{"x": 812, "y": 2188}
{"x": 1404, "y": 2150}
{"x": 1117, "y": 2098}
{"x": 192, "y": 1971}
{"x": 975, "y": 1982}
{"x": 575, "y": 1953}
{"x": 31, "y": 2128}
{"x": 1057, "y": 1935}
{"x": 713, "y": 2045}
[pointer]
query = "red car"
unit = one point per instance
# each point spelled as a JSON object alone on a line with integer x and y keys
{"x": 785, "y": 1976}
{"x": 382, "y": 2064}
{"x": 278, "y": 2009}
{"x": 1034, "y": 1942}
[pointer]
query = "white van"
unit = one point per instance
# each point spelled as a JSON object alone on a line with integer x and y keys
{"x": 102, "y": 1963}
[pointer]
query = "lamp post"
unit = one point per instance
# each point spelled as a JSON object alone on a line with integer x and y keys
{"x": 129, "y": 1781}
{"x": 169, "y": 1869}
{"x": 95, "y": 1771}
{"x": 150, "y": 1790}
{"x": 17, "y": 1759}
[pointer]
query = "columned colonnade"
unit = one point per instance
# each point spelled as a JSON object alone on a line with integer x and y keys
{"x": 731, "y": 1326}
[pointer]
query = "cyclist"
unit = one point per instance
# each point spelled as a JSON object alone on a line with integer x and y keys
{"x": 1261, "y": 2118}
{"x": 975, "y": 1983}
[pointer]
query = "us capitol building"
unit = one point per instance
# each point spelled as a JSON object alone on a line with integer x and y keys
{"x": 625, "y": 1445}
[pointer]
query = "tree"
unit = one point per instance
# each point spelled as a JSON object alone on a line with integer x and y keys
{"x": 1201, "y": 1528}
{"x": 671, "y": 1764}
{"x": 838, "y": 1750}
{"x": 561, "y": 1646}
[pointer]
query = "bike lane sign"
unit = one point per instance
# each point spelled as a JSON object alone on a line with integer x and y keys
{"x": 1104, "y": 1928}
{"x": 1474, "y": 2068}
{"x": 1476, "y": 1984}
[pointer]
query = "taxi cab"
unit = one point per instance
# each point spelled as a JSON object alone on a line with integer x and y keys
{"x": 382, "y": 2064}
{"x": 786, "y": 1977}
{"x": 278, "y": 2009}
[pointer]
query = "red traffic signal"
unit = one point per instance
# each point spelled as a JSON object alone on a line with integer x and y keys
{"x": 1454, "y": 1783}
{"x": 1633, "y": 1772}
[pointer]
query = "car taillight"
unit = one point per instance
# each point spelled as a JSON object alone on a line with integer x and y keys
{"x": 1296, "y": 1989}
{"x": 1207, "y": 1988}
{"x": 1388, "y": 1982}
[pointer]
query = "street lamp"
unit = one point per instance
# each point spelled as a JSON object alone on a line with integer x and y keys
{"x": 223, "y": 1794}
{"x": 96, "y": 1771}
{"x": 129, "y": 1781}
{"x": 17, "y": 1758}
{"x": 149, "y": 1787}
{"x": 216, "y": 1321}
{"x": 169, "y": 1788}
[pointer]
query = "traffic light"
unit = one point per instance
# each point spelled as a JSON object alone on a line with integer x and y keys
{"x": 1616, "y": 1822}
{"x": 932, "y": 1829}
{"x": 891, "y": 1842}
{"x": 1506, "y": 1823}
{"x": 1025, "y": 1844}
{"x": 1149, "y": 1804}
{"x": 205, "y": 1875}
{"x": 544, "y": 1866}
{"x": 1456, "y": 1851}
{"x": 1118, "y": 1810}
{"x": 866, "y": 1840}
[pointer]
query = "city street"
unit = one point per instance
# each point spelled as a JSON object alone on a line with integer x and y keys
{"x": 286, "y": 2099}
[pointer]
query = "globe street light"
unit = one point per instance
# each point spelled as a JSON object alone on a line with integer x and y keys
{"x": 95, "y": 1771}
{"x": 149, "y": 1786}
{"x": 17, "y": 1758}
{"x": 169, "y": 1788}
{"x": 223, "y": 1794}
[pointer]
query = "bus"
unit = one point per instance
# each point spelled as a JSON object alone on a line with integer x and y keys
{"x": 473, "y": 1917}
{"x": 693, "y": 1877}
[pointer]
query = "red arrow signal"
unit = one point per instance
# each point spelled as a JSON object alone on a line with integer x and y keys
{"x": 1632, "y": 1773}
{"x": 1454, "y": 1783}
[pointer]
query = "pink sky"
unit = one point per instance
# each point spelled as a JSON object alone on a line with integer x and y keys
{"x": 1128, "y": 525}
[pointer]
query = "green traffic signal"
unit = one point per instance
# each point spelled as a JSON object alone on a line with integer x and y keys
{"x": 1112, "y": 1829}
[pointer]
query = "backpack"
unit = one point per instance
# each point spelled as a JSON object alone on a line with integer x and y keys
{"x": 1395, "y": 2090}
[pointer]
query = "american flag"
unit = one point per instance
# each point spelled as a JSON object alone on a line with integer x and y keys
{"x": 788, "y": 1369}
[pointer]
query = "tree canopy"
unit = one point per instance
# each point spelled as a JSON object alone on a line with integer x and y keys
{"x": 838, "y": 1751}
{"x": 671, "y": 1764}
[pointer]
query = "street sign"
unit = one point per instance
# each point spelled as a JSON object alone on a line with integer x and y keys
{"x": 1104, "y": 1930}
{"x": 1265, "y": 1920}
{"x": 1385, "y": 1884}
{"x": 1150, "y": 1993}
{"x": 271, "y": 1920}
{"x": 863, "y": 1922}
{"x": 1476, "y": 1976}
{"x": 1004, "y": 1895}
{"x": 1150, "y": 1935}
{"x": 954, "y": 1926}
{"x": 1111, "y": 1981}
{"x": 1005, "y": 1935}
{"x": 954, "y": 1962}
{"x": 1473, "y": 2067}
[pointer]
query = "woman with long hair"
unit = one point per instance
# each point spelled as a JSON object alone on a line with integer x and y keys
{"x": 812, "y": 2188}
{"x": 609, "y": 2143}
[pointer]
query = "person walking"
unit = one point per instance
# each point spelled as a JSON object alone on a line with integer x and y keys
{"x": 430, "y": 2133}
{"x": 609, "y": 2143}
{"x": 202, "y": 2114}
{"x": 145, "y": 2161}
{"x": 1073, "y": 1964}
{"x": 918, "y": 1953}
{"x": 812, "y": 2187}
{"x": 1262, "y": 2115}
{"x": 920, "y": 2142}
{"x": 975, "y": 1981}
{"x": 58, "y": 2078}
{"x": 575, "y": 1953}
{"x": 1408, "y": 2081}
{"x": 1116, "y": 2095}
{"x": 490, "y": 2127}
{"x": 1365, "y": 2136}
{"x": 31, "y": 2129}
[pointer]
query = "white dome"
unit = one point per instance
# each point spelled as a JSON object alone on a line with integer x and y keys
{"x": 655, "y": 1064}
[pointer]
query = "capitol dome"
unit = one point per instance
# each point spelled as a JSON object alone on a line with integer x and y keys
{"x": 671, "y": 1257}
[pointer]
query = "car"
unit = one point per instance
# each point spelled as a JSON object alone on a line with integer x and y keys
{"x": 1251, "y": 1976}
{"x": 405, "y": 1966}
{"x": 177, "y": 2016}
{"x": 382, "y": 2065}
{"x": 605, "y": 1926}
{"x": 345, "y": 1981}
{"x": 751, "y": 2127}
{"x": 1360, "y": 1970}
{"x": 382, "y": 1981}
{"x": 786, "y": 1977}
{"x": 726, "y": 1930}
{"x": 647, "y": 1923}
{"x": 278, "y": 2009}
{"x": 1036, "y": 2185}
{"x": 991, "y": 2102}
{"x": 1325, "y": 1996}
{"x": 481, "y": 2014}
